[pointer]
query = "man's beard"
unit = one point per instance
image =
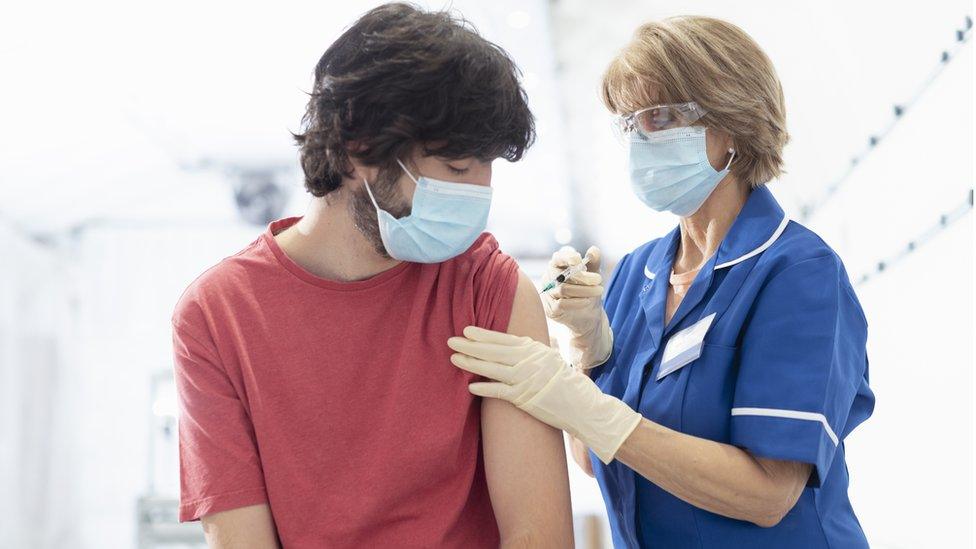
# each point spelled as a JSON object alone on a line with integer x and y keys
{"x": 386, "y": 190}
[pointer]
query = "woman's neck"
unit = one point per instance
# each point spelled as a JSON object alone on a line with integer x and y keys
{"x": 703, "y": 231}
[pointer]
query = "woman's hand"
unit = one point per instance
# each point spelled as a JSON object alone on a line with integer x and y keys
{"x": 577, "y": 304}
{"x": 534, "y": 378}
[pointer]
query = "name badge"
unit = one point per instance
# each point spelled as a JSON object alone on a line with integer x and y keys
{"x": 684, "y": 346}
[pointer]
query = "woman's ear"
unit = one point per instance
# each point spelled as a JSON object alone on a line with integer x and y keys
{"x": 717, "y": 144}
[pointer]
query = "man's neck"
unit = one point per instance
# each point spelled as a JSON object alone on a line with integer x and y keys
{"x": 326, "y": 242}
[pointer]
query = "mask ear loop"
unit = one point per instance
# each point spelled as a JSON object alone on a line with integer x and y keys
{"x": 731, "y": 150}
{"x": 370, "y": 193}
{"x": 408, "y": 172}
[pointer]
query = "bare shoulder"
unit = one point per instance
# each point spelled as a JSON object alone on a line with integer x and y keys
{"x": 528, "y": 317}
{"x": 525, "y": 460}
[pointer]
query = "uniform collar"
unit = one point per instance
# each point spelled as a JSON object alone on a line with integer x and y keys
{"x": 760, "y": 222}
{"x": 661, "y": 257}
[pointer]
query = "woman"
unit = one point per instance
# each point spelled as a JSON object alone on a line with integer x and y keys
{"x": 726, "y": 365}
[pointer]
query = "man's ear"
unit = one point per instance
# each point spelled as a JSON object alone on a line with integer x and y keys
{"x": 353, "y": 147}
{"x": 359, "y": 170}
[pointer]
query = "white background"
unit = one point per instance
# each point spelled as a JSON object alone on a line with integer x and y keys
{"x": 122, "y": 126}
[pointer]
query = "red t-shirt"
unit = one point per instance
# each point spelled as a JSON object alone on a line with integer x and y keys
{"x": 336, "y": 402}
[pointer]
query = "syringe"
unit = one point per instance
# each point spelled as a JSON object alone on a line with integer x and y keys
{"x": 566, "y": 274}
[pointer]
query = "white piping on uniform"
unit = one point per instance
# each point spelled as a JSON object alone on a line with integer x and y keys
{"x": 790, "y": 414}
{"x": 760, "y": 249}
{"x": 648, "y": 273}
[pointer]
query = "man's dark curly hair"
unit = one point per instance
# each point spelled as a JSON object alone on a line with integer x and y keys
{"x": 402, "y": 77}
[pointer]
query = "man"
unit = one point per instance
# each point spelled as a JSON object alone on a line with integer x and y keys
{"x": 319, "y": 406}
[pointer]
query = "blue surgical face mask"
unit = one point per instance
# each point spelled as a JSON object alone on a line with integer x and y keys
{"x": 445, "y": 219}
{"x": 670, "y": 171}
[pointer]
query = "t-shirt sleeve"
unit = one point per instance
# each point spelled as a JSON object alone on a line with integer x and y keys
{"x": 219, "y": 464}
{"x": 802, "y": 382}
{"x": 496, "y": 279}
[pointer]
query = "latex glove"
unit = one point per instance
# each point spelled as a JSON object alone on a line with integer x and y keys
{"x": 577, "y": 304}
{"x": 534, "y": 378}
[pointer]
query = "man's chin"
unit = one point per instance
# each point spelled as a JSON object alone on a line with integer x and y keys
{"x": 364, "y": 218}
{"x": 381, "y": 250}
{"x": 375, "y": 241}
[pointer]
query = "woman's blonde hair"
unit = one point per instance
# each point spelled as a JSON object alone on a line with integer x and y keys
{"x": 717, "y": 65}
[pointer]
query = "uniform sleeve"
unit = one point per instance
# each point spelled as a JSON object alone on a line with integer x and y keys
{"x": 219, "y": 464}
{"x": 495, "y": 282}
{"x": 802, "y": 382}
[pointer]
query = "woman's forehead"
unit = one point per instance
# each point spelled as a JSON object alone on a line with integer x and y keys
{"x": 637, "y": 94}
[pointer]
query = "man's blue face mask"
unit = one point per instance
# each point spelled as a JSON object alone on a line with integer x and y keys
{"x": 445, "y": 219}
{"x": 670, "y": 171}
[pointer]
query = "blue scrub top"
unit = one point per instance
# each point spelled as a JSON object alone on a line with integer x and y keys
{"x": 782, "y": 373}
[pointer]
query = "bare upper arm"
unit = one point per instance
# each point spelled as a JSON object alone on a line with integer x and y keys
{"x": 525, "y": 460}
{"x": 250, "y": 527}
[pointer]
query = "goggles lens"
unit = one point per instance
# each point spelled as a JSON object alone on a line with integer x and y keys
{"x": 658, "y": 118}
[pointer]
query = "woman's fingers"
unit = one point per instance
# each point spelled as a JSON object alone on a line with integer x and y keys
{"x": 568, "y": 304}
{"x": 565, "y": 257}
{"x": 492, "y": 390}
{"x": 492, "y": 352}
{"x": 585, "y": 278}
{"x": 476, "y": 333}
{"x": 593, "y": 265}
{"x": 576, "y": 290}
{"x": 490, "y": 370}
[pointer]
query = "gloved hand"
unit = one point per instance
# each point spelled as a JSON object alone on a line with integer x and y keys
{"x": 534, "y": 378}
{"x": 577, "y": 305}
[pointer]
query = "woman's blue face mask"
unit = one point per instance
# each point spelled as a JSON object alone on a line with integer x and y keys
{"x": 670, "y": 171}
{"x": 445, "y": 219}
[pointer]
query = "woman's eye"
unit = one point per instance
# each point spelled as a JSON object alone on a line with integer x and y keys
{"x": 662, "y": 119}
{"x": 457, "y": 171}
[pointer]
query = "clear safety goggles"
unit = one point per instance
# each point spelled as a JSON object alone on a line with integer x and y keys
{"x": 654, "y": 119}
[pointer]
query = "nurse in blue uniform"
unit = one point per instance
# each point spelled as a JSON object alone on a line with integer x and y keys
{"x": 717, "y": 377}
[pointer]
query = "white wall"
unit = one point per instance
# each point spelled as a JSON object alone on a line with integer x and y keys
{"x": 35, "y": 396}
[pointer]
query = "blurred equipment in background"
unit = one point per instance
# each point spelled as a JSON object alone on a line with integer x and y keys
{"x": 260, "y": 195}
{"x": 158, "y": 526}
{"x": 157, "y": 511}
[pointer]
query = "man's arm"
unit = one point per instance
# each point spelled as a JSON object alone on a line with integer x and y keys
{"x": 243, "y": 528}
{"x": 525, "y": 461}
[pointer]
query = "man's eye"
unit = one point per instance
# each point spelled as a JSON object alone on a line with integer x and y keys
{"x": 457, "y": 171}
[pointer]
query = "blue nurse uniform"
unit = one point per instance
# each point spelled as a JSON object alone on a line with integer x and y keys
{"x": 765, "y": 352}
